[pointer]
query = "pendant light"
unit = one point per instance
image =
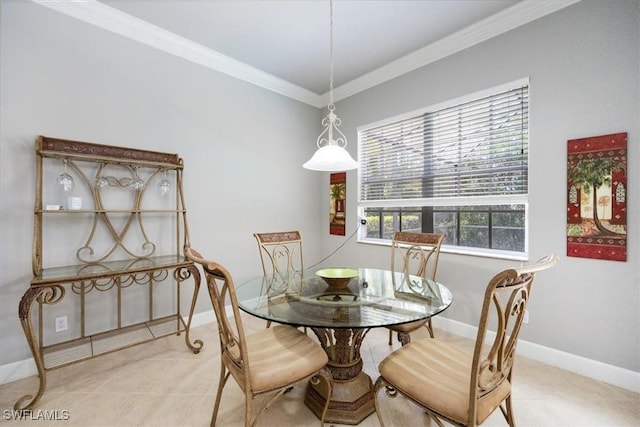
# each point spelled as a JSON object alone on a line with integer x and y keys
{"x": 331, "y": 155}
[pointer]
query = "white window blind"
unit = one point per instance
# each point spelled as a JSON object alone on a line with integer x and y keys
{"x": 463, "y": 154}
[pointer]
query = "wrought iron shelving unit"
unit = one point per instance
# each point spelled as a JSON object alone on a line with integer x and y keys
{"x": 118, "y": 253}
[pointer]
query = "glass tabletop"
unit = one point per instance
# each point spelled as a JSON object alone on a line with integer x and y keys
{"x": 374, "y": 298}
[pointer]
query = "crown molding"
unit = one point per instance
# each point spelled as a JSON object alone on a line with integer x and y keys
{"x": 108, "y": 18}
{"x": 515, "y": 16}
{"x": 111, "y": 19}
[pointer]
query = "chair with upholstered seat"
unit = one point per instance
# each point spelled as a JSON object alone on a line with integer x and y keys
{"x": 268, "y": 362}
{"x": 416, "y": 254}
{"x": 462, "y": 386}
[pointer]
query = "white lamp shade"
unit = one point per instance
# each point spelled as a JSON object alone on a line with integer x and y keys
{"x": 331, "y": 158}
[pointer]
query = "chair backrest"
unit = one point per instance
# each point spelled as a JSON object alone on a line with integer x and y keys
{"x": 416, "y": 253}
{"x": 222, "y": 292}
{"x": 280, "y": 252}
{"x": 503, "y": 311}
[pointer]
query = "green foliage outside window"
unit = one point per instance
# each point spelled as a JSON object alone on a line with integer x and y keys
{"x": 491, "y": 227}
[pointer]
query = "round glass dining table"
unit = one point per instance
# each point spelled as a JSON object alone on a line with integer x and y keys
{"x": 341, "y": 317}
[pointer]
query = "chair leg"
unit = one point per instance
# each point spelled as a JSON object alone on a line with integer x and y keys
{"x": 224, "y": 375}
{"x": 380, "y": 382}
{"x": 429, "y": 327}
{"x": 264, "y": 408}
{"x": 507, "y": 411}
{"x": 404, "y": 338}
{"x": 435, "y": 419}
{"x": 248, "y": 410}
{"x": 328, "y": 378}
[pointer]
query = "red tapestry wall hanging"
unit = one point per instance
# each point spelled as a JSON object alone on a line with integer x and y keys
{"x": 337, "y": 195}
{"x": 597, "y": 197}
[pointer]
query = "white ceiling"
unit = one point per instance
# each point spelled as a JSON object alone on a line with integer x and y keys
{"x": 283, "y": 45}
{"x": 290, "y": 39}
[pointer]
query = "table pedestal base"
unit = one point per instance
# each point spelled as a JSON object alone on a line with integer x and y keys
{"x": 352, "y": 398}
{"x": 351, "y": 403}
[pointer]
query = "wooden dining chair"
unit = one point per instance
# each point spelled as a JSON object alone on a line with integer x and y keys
{"x": 457, "y": 385}
{"x": 416, "y": 254}
{"x": 268, "y": 362}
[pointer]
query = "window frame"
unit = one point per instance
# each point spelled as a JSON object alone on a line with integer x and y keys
{"x": 515, "y": 199}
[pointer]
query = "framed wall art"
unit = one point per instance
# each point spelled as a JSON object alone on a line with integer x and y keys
{"x": 597, "y": 197}
{"x": 337, "y": 201}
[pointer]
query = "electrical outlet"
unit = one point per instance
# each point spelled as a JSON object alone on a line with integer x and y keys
{"x": 526, "y": 317}
{"x": 61, "y": 324}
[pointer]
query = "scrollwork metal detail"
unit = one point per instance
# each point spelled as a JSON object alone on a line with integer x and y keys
{"x": 159, "y": 275}
{"x": 181, "y": 274}
{"x": 47, "y": 295}
{"x": 103, "y": 216}
{"x": 51, "y": 294}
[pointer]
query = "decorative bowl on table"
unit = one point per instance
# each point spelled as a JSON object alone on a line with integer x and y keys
{"x": 337, "y": 278}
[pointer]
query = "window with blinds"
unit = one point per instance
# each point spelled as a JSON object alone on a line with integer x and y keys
{"x": 460, "y": 169}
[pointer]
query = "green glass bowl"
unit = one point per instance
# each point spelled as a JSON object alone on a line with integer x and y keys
{"x": 337, "y": 278}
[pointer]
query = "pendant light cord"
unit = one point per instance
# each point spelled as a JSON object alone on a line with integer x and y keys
{"x": 331, "y": 106}
{"x": 360, "y": 224}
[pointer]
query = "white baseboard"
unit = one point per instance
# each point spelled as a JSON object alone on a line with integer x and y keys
{"x": 614, "y": 375}
{"x": 17, "y": 370}
{"x": 203, "y": 318}
{"x": 620, "y": 377}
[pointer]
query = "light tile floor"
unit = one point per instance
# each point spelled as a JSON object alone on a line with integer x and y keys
{"x": 163, "y": 384}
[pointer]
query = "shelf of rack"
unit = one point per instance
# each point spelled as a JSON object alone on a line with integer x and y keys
{"x": 66, "y": 353}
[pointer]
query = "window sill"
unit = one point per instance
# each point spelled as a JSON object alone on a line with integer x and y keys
{"x": 458, "y": 250}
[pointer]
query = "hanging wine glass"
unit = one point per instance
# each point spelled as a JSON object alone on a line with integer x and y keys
{"x": 137, "y": 183}
{"x": 64, "y": 180}
{"x": 102, "y": 182}
{"x": 165, "y": 185}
